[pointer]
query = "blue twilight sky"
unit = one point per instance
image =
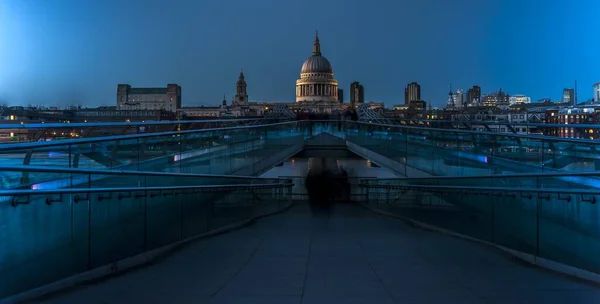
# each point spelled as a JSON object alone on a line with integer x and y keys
{"x": 70, "y": 52}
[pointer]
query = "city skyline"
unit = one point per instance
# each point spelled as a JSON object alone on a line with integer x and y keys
{"x": 96, "y": 54}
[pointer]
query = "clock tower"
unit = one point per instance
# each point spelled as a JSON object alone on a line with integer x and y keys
{"x": 241, "y": 96}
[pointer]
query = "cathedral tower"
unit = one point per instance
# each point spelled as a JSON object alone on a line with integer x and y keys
{"x": 241, "y": 96}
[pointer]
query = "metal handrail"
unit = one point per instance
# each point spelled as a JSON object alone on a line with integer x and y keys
{"x": 66, "y": 142}
{"x": 463, "y": 189}
{"x": 37, "y": 169}
{"x": 205, "y": 188}
{"x": 32, "y": 145}
{"x": 457, "y": 131}
{"x": 176, "y": 122}
{"x": 120, "y": 124}
{"x": 495, "y": 123}
{"x": 351, "y": 178}
{"x": 512, "y": 175}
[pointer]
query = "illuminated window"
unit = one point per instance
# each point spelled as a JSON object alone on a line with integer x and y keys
{"x": 12, "y": 117}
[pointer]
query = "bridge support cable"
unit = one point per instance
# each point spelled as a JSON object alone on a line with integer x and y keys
{"x": 277, "y": 113}
{"x": 367, "y": 115}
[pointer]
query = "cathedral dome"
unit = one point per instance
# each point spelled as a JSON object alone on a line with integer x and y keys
{"x": 316, "y": 85}
{"x": 316, "y": 63}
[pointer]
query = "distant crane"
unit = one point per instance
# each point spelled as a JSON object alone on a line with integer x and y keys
{"x": 575, "y": 94}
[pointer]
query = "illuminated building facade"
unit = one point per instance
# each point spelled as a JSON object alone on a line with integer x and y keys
{"x": 519, "y": 99}
{"x": 317, "y": 89}
{"x": 574, "y": 116}
{"x": 568, "y": 96}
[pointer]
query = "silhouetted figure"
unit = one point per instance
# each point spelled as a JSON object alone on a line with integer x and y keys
{"x": 326, "y": 182}
{"x": 317, "y": 193}
{"x": 325, "y": 188}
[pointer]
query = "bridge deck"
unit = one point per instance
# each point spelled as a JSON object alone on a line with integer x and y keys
{"x": 354, "y": 256}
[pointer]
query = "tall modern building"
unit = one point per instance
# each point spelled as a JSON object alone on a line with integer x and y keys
{"x": 455, "y": 99}
{"x": 412, "y": 92}
{"x": 459, "y": 97}
{"x": 473, "y": 95}
{"x": 357, "y": 93}
{"x": 568, "y": 96}
{"x": 340, "y": 95}
{"x": 168, "y": 98}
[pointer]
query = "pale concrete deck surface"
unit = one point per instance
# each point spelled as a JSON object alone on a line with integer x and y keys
{"x": 353, "y": 257}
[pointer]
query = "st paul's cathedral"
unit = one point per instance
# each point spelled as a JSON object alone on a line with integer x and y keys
{"x": 316, "y": 89}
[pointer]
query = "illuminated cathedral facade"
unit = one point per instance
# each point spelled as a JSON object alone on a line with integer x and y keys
{"x": 316, "y": 86}
{"x": 316, "y": 89}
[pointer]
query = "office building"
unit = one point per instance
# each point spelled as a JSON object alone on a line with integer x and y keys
{"x": 568, "y": 96}
{"x": 167, "y": 98}
{"x": 519, "y": 99}
{"x": 412, "y": 92}
{"x": 357, "y": 94}
{"x": 473, "y": 95}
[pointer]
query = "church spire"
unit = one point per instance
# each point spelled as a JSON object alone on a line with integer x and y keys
{"x": 241, "y": 81}
{"x": 241, "y": 96}
{"x": 317, "y": 46}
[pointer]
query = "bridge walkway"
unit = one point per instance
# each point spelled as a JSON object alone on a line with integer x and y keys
{"x": 352, "y": 256}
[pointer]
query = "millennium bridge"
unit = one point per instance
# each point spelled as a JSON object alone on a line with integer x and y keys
{"x": 217, "y": 212}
